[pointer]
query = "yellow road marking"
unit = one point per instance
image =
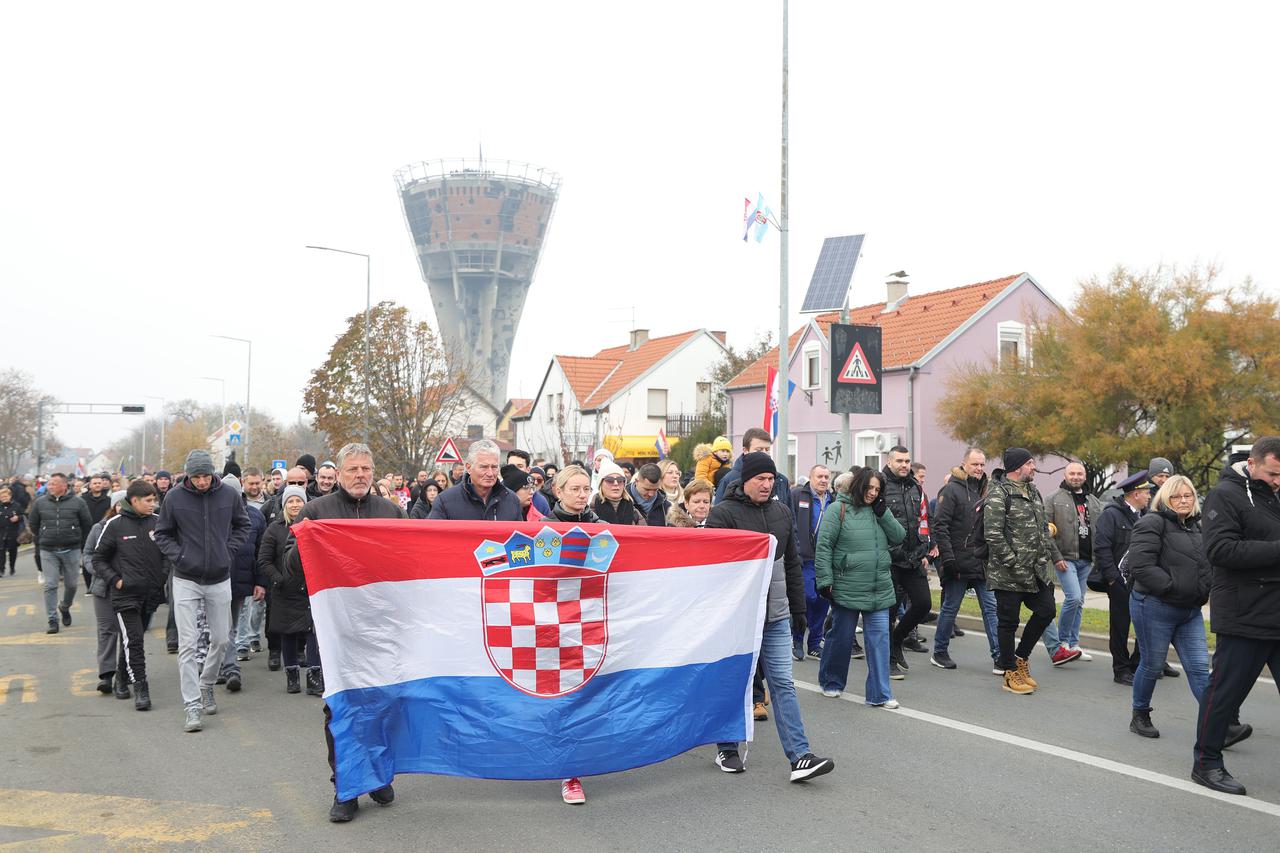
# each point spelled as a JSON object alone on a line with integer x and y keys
{"x": 29, "y": 608}
{"x": 128, "y": 819}
{"x": 82, "y": 682}
{"x": 43, "y": 639}
{"x": 27, "y": 688}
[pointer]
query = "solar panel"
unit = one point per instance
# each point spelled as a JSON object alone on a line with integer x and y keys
{"x": 829, "y": 286}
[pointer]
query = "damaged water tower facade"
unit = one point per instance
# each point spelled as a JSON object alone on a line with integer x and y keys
{"x": 478, "y": 227}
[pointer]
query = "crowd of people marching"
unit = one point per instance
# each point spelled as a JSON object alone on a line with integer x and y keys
{"x": 855, "y": 550}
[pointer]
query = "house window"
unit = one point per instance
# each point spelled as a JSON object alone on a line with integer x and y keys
{"x": 865, "y": 443}
{"x": 1012, "y": 343}
{"x": 657, "y": 402}
{"x": 551, "y": 408}
{"x": 812, "y": 367}
{"x": 475, "y": 431}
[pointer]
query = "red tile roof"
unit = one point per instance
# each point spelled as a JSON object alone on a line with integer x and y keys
{"x": 596, "y": 379}
{"x": 520, "y": 407}
{"x": 910, "y": 332}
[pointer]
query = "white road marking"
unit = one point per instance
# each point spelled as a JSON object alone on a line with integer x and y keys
{"x": 1185, "y": 785}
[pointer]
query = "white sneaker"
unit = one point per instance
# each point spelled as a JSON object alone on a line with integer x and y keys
{"x": 831, "y": 694}
{"x": 1083, "y": 654}
{"x": 891, "y": 705}
{"x": 995, "y": 670}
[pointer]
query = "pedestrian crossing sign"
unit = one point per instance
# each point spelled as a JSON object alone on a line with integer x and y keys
{"x": 448, "y": 453}
{"x": 856, "y": 370}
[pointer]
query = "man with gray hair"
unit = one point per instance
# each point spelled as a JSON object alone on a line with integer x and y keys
{"x": 479, "y": 495}
{"x": 202, "y": 525}
{"x": 350, "y": 498}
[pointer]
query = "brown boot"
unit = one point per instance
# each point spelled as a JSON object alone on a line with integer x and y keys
{"x": 759, "y": 712}
{"x": 1015, "y": 683}
{"x": 1024, "y": 669}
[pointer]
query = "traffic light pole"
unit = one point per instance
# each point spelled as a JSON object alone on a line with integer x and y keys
{"x": 77, "y": 409}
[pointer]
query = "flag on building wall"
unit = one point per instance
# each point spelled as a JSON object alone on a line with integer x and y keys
{"x": 530, "y": 651}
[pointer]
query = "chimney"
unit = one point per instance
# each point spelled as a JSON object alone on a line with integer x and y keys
{"x": 639, "y": 337}
{"x": 895, "y": 290}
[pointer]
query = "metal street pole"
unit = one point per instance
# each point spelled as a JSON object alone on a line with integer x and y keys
{"x": 784, "y": 378}
{"x": 368, "y": 290}
{"x": 248, "y": 380}
{"x": 144, "y": 427}
{"x": 39, "y": 437}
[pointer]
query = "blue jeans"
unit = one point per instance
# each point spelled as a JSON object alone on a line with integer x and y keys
{"x": 952, "y": 595}
{"x": 775, "y": 654}
{"x": 1073, "y": 582}
{"x": 65, "y": 564}
{"x": 815, "y": 607}
{"x": 249, "y": 625}
{"x": 1156, "y": 625}
{"x": 833, "y": 667}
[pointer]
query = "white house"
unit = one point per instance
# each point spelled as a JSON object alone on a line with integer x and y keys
{"x": 621, "y": 397}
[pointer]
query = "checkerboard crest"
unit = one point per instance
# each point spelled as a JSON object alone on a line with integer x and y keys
{"x": 546, "y": 608}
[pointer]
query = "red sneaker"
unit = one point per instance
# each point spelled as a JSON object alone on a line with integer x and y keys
{"x": 1064, "y": 655}
{"x": 571, "y": 792}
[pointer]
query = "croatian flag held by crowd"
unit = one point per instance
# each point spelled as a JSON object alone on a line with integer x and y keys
{"x": 527, "y": 650}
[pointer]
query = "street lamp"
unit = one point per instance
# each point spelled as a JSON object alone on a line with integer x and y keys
{"x": 367, "y": 291}
{"x": 144, "y": 432}
{"x": 248, "y": 379}
{"x": 224, "y": 400}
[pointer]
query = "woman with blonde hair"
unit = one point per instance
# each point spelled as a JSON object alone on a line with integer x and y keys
{"x": 670, "y": 482}
{"x": 1169, "y": 580}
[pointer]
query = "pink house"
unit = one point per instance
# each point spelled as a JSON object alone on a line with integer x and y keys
{"x": 926, "y": 337}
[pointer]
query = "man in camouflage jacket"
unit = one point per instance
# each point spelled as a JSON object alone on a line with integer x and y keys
{"x": 1020, "y": 562}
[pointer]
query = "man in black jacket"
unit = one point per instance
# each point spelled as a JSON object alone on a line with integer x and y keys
{"x": 808, "y": 503}
{"x": 202, "y": 525}
{"x": 350, "y": 498}
{"x": 904, "y": 497}
{"x": 479, "y": 495}
{"x": 749, "y": 505}
{"x": 1242, "y": 542}
{"x": 961, "y": 561}
{"x": 754, "y": 440}
{"x": 1112, "y": 532}
{"x": 97, "y": 498}
{"x": 60, "y": 524}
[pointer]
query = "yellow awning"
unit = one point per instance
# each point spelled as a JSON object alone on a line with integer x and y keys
{"x": 635, "y": 446}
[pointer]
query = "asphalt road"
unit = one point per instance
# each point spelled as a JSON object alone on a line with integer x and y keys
{"x": 962, "y": 765}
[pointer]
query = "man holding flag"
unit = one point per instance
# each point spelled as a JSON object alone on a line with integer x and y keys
{"x": 350, "y": 498}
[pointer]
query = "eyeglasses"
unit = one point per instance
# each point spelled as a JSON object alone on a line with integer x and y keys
{"x": 538, "y": 481}
{"x": 1182, "y": 497}
{"x": 614, "y": 480}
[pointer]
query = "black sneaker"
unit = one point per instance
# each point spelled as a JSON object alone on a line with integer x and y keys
{"x": 896, "y": 672}
{"x": 255, "y": 646}
{"x": 384, "y": 796}
{"x": 53, "y": 627}
{"x": 942, "y": 660}
{"x": 233, "y": 681}
{"x": 66, "y": 615}
{"x": 929, "y": 618}
{"x": 858, "y": 653}
{"x": 915, "y": 644}
{"x": 810, "y": 766}
{"x": 730, "y": 761}
{"x": 1169, "y": 672}
{"x": 797, "y": 649}
{"x": 816, "y": 654}
{"x": 1123, "y": 678}
{"x": 273, "y": 660}
{"x": 242, "y": 655}
{"x": 956, "y": 632}
{"x": 1217, "y": 779}
{"x": 896, "y": 657}
{"x": 105, "y": 684}
{"x": 343, "y": 811}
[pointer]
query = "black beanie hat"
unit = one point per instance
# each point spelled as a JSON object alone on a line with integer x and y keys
{"x": 1015, "y": 458}
{"x": 755, "y": 464}
{"x": 513, "y": 478}
{"x": 307, "y": 461}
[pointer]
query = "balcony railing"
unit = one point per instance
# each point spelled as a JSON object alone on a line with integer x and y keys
{"x": 683, "y": 426}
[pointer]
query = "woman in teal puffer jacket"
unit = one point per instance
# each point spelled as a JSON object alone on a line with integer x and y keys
{"x": 852, "y": 561}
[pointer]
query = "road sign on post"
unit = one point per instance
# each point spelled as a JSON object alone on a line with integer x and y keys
{"x": 856, "y": 377}
{"x": 278, "y": 463}
{"x": 448, "y": 453}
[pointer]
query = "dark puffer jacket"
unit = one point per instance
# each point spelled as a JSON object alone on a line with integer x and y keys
{"x": 60, "y": 523}
{"x": 244, "y": 574}
{"x": 560, "y": 514}
{"x": 290, "y": 610}
{"x": 624, "y": 512}
{"x": 200, "y": 532}
{"x": 954, "y": 527}
{"x": 904, "y": 496}
{"x": 1166, "y": 559}
{"x": 1112, "y": 534}
{"x": 340, "y": 504}
{"x": 1242, "y": 542}
{"x": 461, "y": 503}
{"x": 738, "y": 512}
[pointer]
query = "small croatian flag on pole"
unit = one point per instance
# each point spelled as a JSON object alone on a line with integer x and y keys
{"x": 528, "y": 650}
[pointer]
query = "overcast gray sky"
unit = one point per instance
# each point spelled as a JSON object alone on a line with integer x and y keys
{"x": 166, "y": 163}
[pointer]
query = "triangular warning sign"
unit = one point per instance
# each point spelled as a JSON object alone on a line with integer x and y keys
{"x": 448, "y": 453}
{"x": 856, "y": 370}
